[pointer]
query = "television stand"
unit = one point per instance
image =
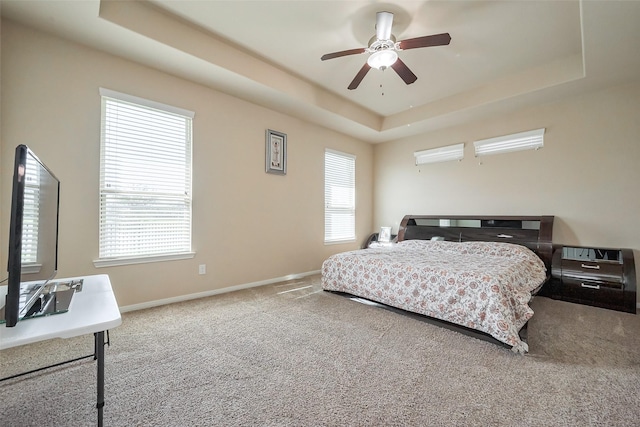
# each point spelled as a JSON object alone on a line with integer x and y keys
{"x": 55, "y": 298}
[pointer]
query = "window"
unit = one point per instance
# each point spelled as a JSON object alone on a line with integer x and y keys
{"x": 441, "y": 154}
{"x": 339, "y": 197}
{"x": 530, "y": 140}
{"x": 31, "y": 217}
{"x": 145, "y": 180}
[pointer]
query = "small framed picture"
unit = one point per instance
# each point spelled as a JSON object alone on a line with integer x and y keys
{"x": 385, "y": 235}
{"x": 276, "y": 152}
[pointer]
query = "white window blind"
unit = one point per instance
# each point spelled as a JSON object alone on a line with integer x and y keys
{"x": 339, "y": 197}
{"x": 440, "y": 154}
{"x": 30, "y": 214}
{"x": 530, "y": 140}
{"x": 145, "y": 178}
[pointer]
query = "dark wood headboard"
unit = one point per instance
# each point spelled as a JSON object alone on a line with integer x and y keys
{"x": 534, "y": 232}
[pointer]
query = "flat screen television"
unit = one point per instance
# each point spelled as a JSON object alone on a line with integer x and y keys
{"x": 33, "y": 238}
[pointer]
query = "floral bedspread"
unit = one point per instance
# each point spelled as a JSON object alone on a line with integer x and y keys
{"x": 481, "y": 285}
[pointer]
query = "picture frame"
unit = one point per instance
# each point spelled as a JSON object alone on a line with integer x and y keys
{"x": 275, "y": 152}
{"x": 385, "y": 235}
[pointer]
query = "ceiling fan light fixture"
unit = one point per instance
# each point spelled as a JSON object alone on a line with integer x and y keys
{"x": 382, "y": 59}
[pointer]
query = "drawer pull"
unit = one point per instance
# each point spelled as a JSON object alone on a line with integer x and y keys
{"x": 593, "y": 267}
{"x": 505, "y": 236}
{"x": 590, "y": 286}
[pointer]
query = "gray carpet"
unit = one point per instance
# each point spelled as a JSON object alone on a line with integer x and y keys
{"x": 282, "y": 356}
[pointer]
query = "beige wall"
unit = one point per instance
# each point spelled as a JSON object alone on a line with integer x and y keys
{"x": 587, "y": 174}
{"x": 248, "y": 226}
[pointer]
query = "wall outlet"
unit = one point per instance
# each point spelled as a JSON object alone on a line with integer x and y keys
{"x": 202, "y": 269}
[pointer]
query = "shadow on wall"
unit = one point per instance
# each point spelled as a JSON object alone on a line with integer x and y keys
{"x": 562, "y": 232}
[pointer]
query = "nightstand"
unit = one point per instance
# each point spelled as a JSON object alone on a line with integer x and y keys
{"x": 381, "y": 244}
{"x": 602, "y": 277}
{"x": 372, "y": 241}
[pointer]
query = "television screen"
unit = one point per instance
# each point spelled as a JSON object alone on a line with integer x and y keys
{"x": 33, "y": 235}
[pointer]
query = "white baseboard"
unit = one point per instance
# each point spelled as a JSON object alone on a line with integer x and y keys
{"x": 212, "y": 292}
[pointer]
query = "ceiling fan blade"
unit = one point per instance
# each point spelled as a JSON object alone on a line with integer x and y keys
{"x": 404, "y": 72}
{"x": 425, "y": 41}
{"x": 384, "y": 22}
{"x": 342, "y": 53}
{"x": 358, "y": 78}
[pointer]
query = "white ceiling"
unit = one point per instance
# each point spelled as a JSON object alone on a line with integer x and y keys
{"x": 503, "y": 54}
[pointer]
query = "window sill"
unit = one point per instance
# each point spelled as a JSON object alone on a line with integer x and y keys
{"x": 113, "y": 262}
{"x": 338, "y": 242}
{"x": 29, "y": 268}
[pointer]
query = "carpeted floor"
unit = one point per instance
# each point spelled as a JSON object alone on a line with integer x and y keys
{"x": 292, "y": 355}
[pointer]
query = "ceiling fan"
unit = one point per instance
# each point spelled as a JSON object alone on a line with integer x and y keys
{"x": 383, "y": 50}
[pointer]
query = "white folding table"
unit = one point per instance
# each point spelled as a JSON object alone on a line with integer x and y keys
{"x": 93, "y": 310}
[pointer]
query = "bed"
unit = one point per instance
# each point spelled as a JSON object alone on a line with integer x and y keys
{"x": 477, "y": 276}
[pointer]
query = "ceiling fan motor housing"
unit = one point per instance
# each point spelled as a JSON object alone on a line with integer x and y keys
{"x": 382, "y": 53}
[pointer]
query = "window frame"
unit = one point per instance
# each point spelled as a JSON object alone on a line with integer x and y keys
{"x": 328, "y": 240}
{"x": 138, "y": 258}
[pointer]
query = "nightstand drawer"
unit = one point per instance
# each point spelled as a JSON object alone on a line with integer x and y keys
{"x": 593, "y": 292}
{"x": 588, "y": 270}
{"x": 591, "y": 280}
